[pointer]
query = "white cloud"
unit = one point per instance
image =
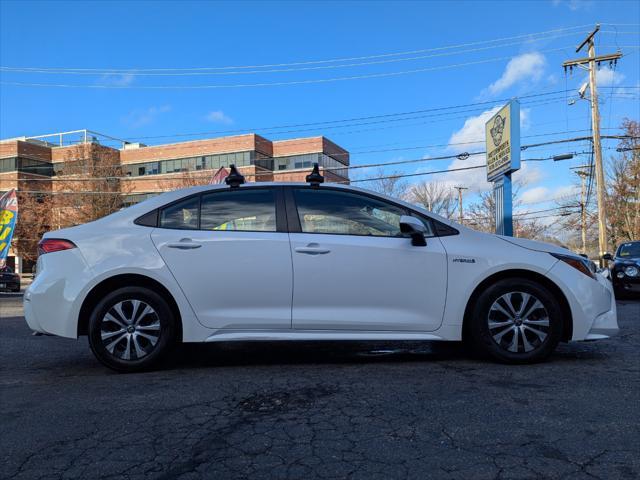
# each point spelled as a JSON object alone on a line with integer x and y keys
{"x": 574, "y": 5}
{"x": 536, "y": 194}
{"x": 545, "y": 194}
{"x": 472, "y": 131}
{"x": 471, "y": 137}
{"x": 607, "y": 77}
{"x": 141, "y": 117}
{"x": 526, "y": 67}
{"x": 218, "y": 116}
{"x": 117, "y": 80}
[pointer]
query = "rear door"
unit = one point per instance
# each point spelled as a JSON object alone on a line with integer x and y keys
{"x": 229, "y": 251}
{"x": 355, "y": 270}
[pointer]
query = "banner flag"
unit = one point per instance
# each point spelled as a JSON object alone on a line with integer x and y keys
{"x": 219, "y": 176}
{"x": 8, "y": 219}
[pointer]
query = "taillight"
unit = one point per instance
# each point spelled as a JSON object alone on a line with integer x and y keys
{"x": 48, "y": 245}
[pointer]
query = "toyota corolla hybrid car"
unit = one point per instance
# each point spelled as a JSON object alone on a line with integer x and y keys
{"x": 287, "y": 261}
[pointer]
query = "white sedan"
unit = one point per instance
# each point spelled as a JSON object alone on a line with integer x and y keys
{"x": 287, "y": 261}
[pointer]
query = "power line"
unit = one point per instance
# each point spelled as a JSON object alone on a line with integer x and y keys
{"x": 313, "y": 62}
{"x": 136, "y": 73}
{"x": 268, "y": 84}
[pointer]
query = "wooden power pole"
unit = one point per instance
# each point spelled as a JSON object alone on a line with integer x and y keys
{"x": 591, "y": 61}
{"x": 583, "y": 174}
{"x": 460, "y": 213}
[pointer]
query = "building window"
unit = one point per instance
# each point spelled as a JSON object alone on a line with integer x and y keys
{"x": 26, "y": 165}
{"x": 307, "y": 160}
{"x": 8, "y": 164}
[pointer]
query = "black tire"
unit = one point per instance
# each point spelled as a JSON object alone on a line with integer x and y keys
{"x": 118, "y": 359}
{"x": 488, "y": 341}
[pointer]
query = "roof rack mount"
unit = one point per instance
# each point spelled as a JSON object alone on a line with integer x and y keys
{"x": 235, "y": 178}
{"x": 315, "y": 178}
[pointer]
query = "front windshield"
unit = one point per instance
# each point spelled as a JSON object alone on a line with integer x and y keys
{"x": 627, "y": 250}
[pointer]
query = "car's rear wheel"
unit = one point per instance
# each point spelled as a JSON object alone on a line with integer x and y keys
{"x": 516, "y": 320}
{"x": 131, "y": 329}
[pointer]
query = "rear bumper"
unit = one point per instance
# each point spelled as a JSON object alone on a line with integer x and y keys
{"x": 51, "y": 301}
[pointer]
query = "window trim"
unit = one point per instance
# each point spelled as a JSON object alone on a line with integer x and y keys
{"x": 294, "y": 217}
{"x": 279, "y": 201}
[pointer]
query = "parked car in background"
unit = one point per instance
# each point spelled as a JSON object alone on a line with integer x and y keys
{"x": 9, "y": 280}
{"x": 297, "y": 261}
{"x": 625, "y": 270}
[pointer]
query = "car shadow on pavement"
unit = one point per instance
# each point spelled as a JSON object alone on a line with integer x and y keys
{"x": 321, "y": 352}
{"x": 351, "y": 352}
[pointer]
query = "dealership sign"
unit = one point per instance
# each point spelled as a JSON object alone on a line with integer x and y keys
{"x": 8, "y": 217}
{"x": 503, "y": 157}
{"x": 503, "y": 141}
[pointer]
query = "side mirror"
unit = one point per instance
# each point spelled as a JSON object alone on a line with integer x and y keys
{"x": 607, "y": 256}
{"x": 415, "y": 228}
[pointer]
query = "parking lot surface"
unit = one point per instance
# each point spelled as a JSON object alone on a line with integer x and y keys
{"x": 319, "y": 410}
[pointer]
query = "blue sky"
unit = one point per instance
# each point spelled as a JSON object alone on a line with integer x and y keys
{"x": 187, "y": 35}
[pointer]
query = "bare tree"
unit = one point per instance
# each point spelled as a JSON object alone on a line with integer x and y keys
{"x": 623, "y": 192}
{"x": 570, "y": 220}
{"x": 88, "y": 186}
{"x": 391, "y": 184}
{"x": 34, "y": 219}
{"x": 435, "y": 197}
{"x": 481, "y": 216}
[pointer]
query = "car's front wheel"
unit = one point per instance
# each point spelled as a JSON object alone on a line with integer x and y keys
{"x": 131, "y": 329}
{"x": 516, "y": 320}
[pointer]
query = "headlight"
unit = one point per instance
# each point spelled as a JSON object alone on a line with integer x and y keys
{"x": 631, "y": 271}
{"x": 579, "y": 263}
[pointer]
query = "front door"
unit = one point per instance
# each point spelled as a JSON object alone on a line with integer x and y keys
{"x": 230, "y": 257}
{"x": 354, "y": 269}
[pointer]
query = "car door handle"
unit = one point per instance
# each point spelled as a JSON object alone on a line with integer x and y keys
{"x": 312, "y": 249}
{"x": 184, "y": 244}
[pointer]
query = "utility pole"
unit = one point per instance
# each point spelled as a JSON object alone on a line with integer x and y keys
{"x": 460, "y": 212}
{"x": 591, "y": 61}
{"x": 583, "y": 174}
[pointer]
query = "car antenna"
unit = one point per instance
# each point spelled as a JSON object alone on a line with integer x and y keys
{"x": 314, "y": 178}
{"x": 235, "y": 178}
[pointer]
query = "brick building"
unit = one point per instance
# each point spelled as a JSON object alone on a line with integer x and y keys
{"x": 41, "y": 164}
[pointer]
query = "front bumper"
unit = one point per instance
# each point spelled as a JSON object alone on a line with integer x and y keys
{"x": 605, "y": 325}
{"x": 9, "y": 285}
{"x": 626, "y": 284}
{"x": 592, "y": 303}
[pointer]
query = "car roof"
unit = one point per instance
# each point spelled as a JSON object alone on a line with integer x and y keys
{"x": 129, "y": 214}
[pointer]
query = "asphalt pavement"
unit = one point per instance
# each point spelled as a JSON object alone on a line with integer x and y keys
{"x": 365, "y": 410}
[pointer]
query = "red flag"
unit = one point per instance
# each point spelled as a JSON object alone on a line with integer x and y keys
{"x": 219, "y": 176}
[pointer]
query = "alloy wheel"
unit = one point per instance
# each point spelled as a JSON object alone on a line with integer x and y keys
{"x": 518, "y": 322}
{"x": 130, "y": 330}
